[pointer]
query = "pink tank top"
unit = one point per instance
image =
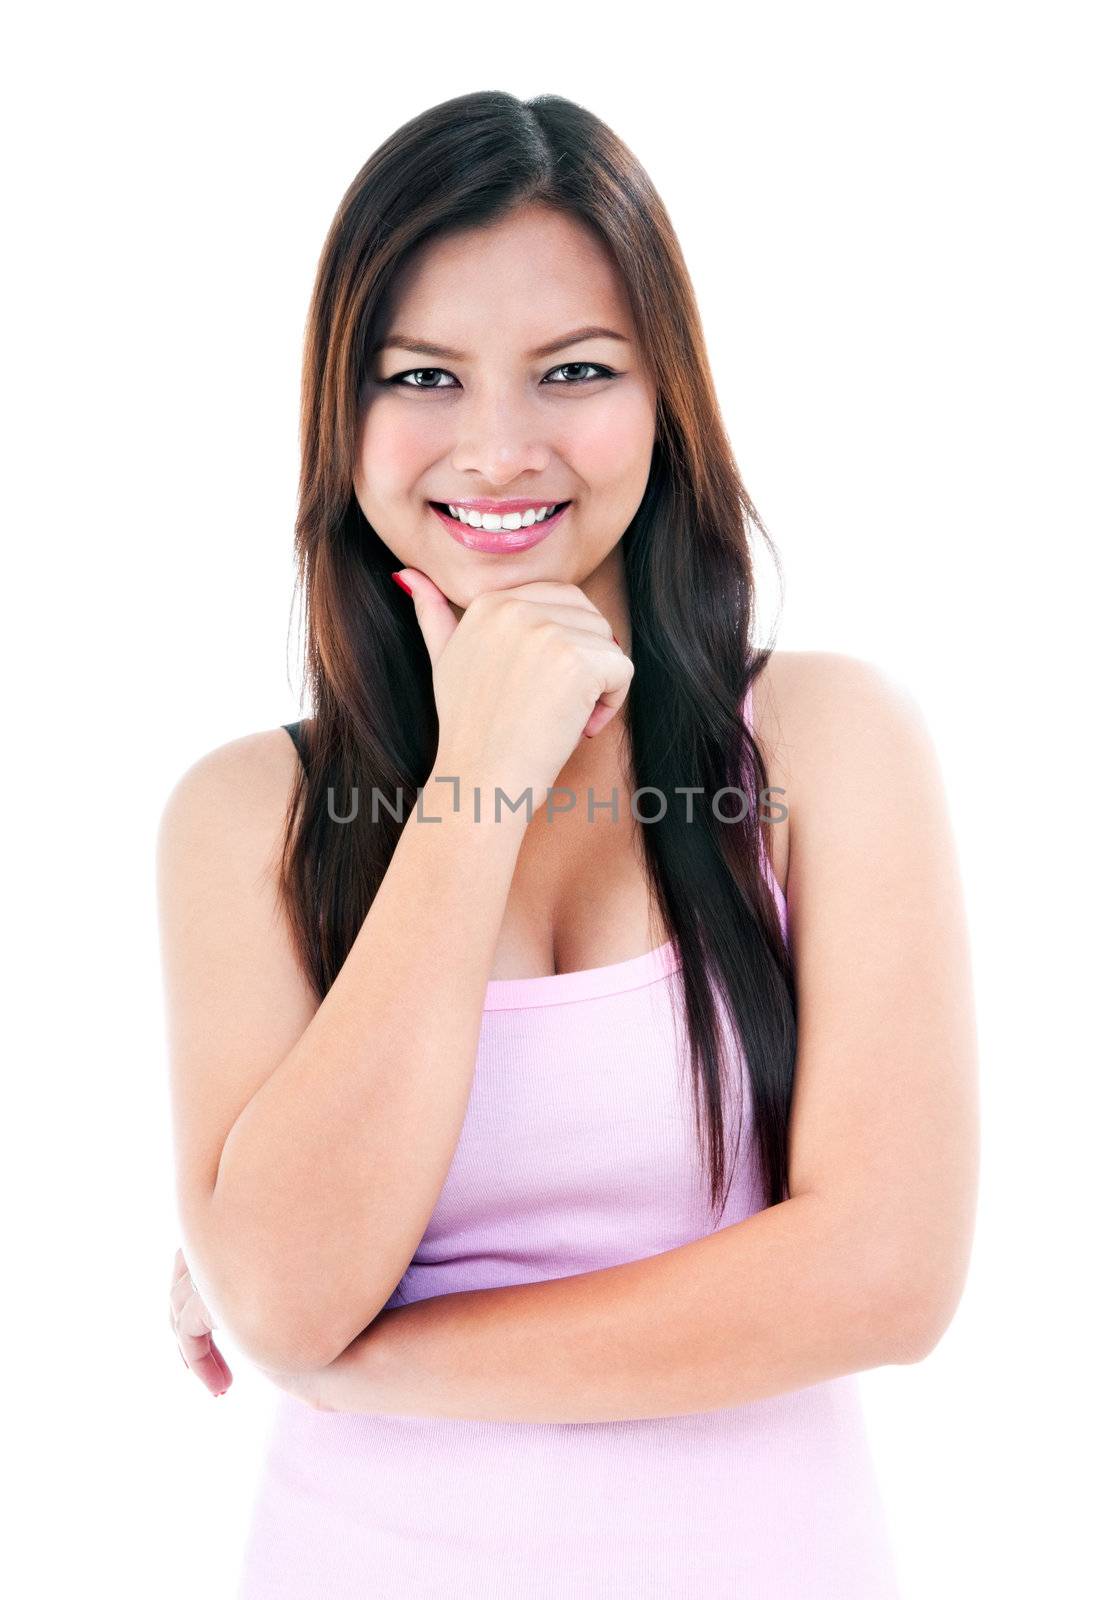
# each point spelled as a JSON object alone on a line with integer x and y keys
{"x": 577, "y": 1152}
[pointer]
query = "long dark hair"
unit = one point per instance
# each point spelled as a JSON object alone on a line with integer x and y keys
{"x": 471, "y": 160}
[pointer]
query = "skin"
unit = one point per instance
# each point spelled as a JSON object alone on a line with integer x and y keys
{"x": 866, "y": 1261}
{"x": 505, "y": 424}
{"x": 501, "y": 425}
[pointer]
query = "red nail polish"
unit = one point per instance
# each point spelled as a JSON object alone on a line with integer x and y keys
{"x": 617, "y": 641}
{"x": 396, "y": 578}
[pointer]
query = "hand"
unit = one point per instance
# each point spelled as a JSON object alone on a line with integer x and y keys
{"x": 192, "y": 1322}
{"x": 518, "y": 681}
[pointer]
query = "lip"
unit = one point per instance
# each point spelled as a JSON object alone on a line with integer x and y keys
{"x": 507, "y": 541}
{"x": 503, "y": 507}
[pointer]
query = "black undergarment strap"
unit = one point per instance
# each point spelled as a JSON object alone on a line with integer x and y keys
{"x": 295, "y": 731}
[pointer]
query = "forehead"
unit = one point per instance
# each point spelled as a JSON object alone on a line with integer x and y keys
{"x": 528, "y": 276}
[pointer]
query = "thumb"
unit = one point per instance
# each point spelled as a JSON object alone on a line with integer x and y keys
{"x": 436, "y": 619}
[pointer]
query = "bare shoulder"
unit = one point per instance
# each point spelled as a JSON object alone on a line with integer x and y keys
{"x": 810, "y": 687}
{"x": 236, "y": 997}
{"x": 239, "y": 789}
{"x": 823, "y": 719}
{"x": 883, "y": 1125}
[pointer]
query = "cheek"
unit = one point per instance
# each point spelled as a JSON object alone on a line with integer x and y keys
{"x": 396, "y": 447}
{"x": 617, "y": 442}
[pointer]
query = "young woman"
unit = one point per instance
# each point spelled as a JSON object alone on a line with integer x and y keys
{"x": 560, "y": 1178}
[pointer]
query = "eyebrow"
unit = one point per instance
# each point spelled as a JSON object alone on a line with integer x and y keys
{"x": 423, "y": 347}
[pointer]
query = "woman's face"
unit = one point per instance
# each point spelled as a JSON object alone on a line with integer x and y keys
{"x": 489, "y": 387}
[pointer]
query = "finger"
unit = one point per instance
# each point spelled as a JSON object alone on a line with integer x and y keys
{"x": 618, "y": 671}
{"x": 547, "y": 592}
{"x": 206, "y": 1360}
{"x": 194, "y": 1317}
{"x": 179, "y": 1291}
{"x": 614, "y": 676}
{"x": 181, "y": 1272}
{"x": 182, "y": 1292}
{"x": 599, "y": 720}
{"x": 194, "y": 1330}
{"x": 192, "y": 1325}
{"x": 434, "y": 614}
{"x": 582, "y": 617}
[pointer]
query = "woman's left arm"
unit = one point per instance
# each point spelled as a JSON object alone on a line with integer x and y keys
{"x": 865, "y": 1263}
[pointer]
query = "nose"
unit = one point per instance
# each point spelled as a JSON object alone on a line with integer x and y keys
{"x": 498, "y": 440}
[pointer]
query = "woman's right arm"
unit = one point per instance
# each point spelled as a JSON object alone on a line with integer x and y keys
{"x": 312, "y": 1141}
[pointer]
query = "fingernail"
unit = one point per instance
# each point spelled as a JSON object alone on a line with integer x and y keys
{"x": 396, "y": 578}
{"x": 617, "y": 641}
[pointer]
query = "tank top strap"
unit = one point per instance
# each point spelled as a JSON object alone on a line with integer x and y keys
{"x": 295, "y": 731}
{"x": 748, "y": 708}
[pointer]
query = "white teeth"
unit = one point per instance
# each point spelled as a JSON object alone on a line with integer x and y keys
{"x": 492, "y": 523}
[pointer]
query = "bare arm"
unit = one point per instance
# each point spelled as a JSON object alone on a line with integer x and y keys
{"x": 313, "y": 1140}
{"x": 786, "y": 1298}
{"x": 864, "y": 1264}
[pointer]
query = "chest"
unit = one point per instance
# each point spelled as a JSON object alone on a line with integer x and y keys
{"x": 580, "y": 897}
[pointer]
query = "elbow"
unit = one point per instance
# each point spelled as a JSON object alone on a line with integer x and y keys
{"x": 913, "y": 1287}
{"x": 914, "y": 1320}
{"x": 275, "y": 1316}
{"x": 278, "y": 1321}
{"x": 273, "y": 1336}
{"x": 285, "y": 1345}
{"x": 278, "y": 1346}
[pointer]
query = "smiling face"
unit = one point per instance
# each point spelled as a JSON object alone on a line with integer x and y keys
{"x": 509, "y": 371}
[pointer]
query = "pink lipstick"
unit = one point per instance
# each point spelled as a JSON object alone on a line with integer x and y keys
{"x": 499, "y": 541}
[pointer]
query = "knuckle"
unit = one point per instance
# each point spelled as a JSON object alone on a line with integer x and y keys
{"x": 514, "y": 610}
{"x": 568, "y": 655}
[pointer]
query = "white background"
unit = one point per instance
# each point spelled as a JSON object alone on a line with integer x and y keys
{"x": 893, "y": 217}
